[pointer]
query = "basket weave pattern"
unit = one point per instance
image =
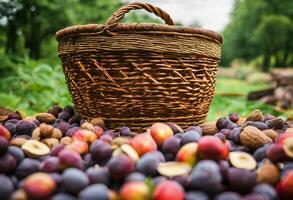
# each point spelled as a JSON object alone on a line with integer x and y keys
{"x": 140, "y": 75}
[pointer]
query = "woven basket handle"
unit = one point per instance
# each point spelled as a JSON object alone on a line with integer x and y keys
{"x": 119, "y": 14}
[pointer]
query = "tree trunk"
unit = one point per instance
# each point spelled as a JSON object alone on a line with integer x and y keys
{"x": 11, "y": 38}
{"x": 266, "y": 62}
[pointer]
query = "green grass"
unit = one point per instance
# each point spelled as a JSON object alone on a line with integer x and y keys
{"x": 223, "y": 105}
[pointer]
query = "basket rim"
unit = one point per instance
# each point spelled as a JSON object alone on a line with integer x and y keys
{"x": 143, "y": 27}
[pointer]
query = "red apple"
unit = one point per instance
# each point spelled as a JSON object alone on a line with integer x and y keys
{"x": 160, "y": 132}
{"x": 167, "y": 190}
{"x": 143, "y": 143}
{"x": 134, "y": 190}
{"x": 211, "y": 147}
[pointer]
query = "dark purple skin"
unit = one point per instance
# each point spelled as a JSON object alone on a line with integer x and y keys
{"x": 235, "y": 135}
{"x": 6, "y": 187}
{"x": 17, "y": 153}
{"x": 56, "y": 149}
{"x": 11, "y": 128}
{"x": 234, "y": 117}
{"x": 27, "y": 167}
{"x": 175, "y": 128}
{"x": 63, "y": 196}
{"x": 266, "y": 190}
{"x": 125, "y": 131}
{"x": 111, "y": 133}
{"x": 120, "y": 166}
{"x": 70, "y": 132}
{"x": 25, "y": 127}
{"x": 171, "y": 145}
{"x": 88, "y": 161}
{"x": 12, "y": 121}
{"x": 50, "y": 165}
{"x": 57, "y": 178}
{"x": 4, "y": 143}
{"x": 224, "y": 168}
{"x": 288, "y": 166}
{"x": 222, "y": 123}
{"x": 254, "y": 197}
{"x": 179, "y": 135}
{"x": 231, "y": 125}
{"x": 182, "y": 180}
{"x": 259, "y": 125}
{"x": 100, "y": 151}
{"x": 15, "y": 115}
{"x": 69, "y": 109}
{"x": 74, "y": 180}
{"x": 261, "y": 153}
{"x": 195, "y": 128}
{"x": 158, "y": 179}
{"x": 64, "y": 126}
{"x": 98, "y": 175}
{"x": 75, "y": 119}
{"x": 64, "y": 115}
{"x": 228, "y": 196}
{"x": 221, "y": 136}
{"x": 70, "y": 158}
{"x": 190, "y": 136}
{"x": 55, "y": 110}
{"x": 196, "y": 195}
{"x": 241, "y": 180}
{"x": 148, "y": 164}
{"x": 226, "y": 132}
{"x": 7, "y": 164}
{"x": 96, "y": 191}
{"x": 135, "y": 177}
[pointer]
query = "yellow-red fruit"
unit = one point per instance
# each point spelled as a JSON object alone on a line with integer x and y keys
{"x": 167, "y": 190}
{"x": 160, "y": 132}
{"x": 187, "y": 153}
{"x": 78, "y": 146}
{"x": 284, "y": 187}
{"x": 85, "y": 135}
{"x": 134, "y": 191}
{"x": 281, "y": 138}
{"x": 5, "y": 132}
{"x": 39, "y": 186}
{"x": 211, "y": 147}
{"x": 143, "y": 143}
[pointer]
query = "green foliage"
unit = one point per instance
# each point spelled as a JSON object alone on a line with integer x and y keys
{"x": 260, "y": 28}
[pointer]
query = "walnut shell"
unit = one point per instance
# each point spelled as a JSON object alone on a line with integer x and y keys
{"x": 253, "y": 138}
{"x": 47, "y": 118}
{"x": 255, "y": 115}
{"x": 209, "y": 128}
{"x": 271, "y": 133}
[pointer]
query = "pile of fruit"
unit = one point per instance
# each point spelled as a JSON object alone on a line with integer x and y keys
{"x": 57, "y": 155}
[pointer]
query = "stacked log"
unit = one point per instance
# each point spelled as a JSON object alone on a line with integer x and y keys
{"x": 281, "y": 94}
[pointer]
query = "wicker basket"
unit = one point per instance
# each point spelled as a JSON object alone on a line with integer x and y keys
{"x": 137, "y": 74}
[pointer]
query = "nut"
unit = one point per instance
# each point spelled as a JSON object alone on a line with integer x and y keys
{"x": 209, "y": 128}
{"x": 241, "y": 121}
{"x": 56, "y": 134}
{"x": 35, "y": 149}
{"x": 47, "y": 118}
{"x": 171, "y": 169}
{"x": 46, "y": 130}
{"x": 18, "y": 141}
{"x": 88, "y": 126}
{"x": 50, "y": 142}
{"x": 268, "y": 173}
{"x": 242, "y": 160}
{"x": 253, "y": 138}
{"x": 271, "y": 133}
{"x": 255, "y": 115}
{"x": 98, "y": 122}
{"x": 66, "y": 140}
{"x": 36, "y": 135}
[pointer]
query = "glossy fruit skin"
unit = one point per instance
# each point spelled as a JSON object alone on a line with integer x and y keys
{"x": 125, "y": 131}
{"x": 6, "y": 187}
{"x": 100, "y": 151}
{"x": 4, "y": 132}
{"x": 241, "y": 180}
{"x": 160, "y": 132}
{"x": 143, "y": 143}
{"x": 27, "y": 167}
{"x": 69, "y": 158}
{"x": 50, "y": 165}
{"x": 16, "y": 152}
{"x": 234, "y": 117}
{"x": 266, "y": 190}
{"x": 120, "y": 166}
{"x": 39, "y": 186}
{"x": 210, "y": 147}
{"x": 135, "y": 177}
{"x": 284, "y": 187}
{"x": 134, "y": 190}
{"x": 148, "y": 163}
{"x": 4, "y": 144}
{"x": 171, "y": 145}
{"x": 94, "y": 192}
{"x": 281, "y": 138}
{"x": 74, "y": 180}
{"x": 7, "y": 164}
{"x": 167, "y": 190}
{"x": 188, "y": 153}
{"x": 261, "y": 153}
{"x": 190, "y": 136}
{"x": 25, "y": 127}
{"x": 198, "y": 195}
{"x": 63, "y": 196}
{"x": 276, "y": 153}
{"x": 235, "y": 135}
{"x": 98, "y": 175}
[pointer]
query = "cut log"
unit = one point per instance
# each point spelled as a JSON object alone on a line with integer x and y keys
{"x": 256, "y": 95}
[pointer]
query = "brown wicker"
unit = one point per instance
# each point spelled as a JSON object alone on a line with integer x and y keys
{"x": 137, "y": 74}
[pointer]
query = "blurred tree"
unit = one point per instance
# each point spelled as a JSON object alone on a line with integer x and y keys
{"x": 260, "y": 28}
